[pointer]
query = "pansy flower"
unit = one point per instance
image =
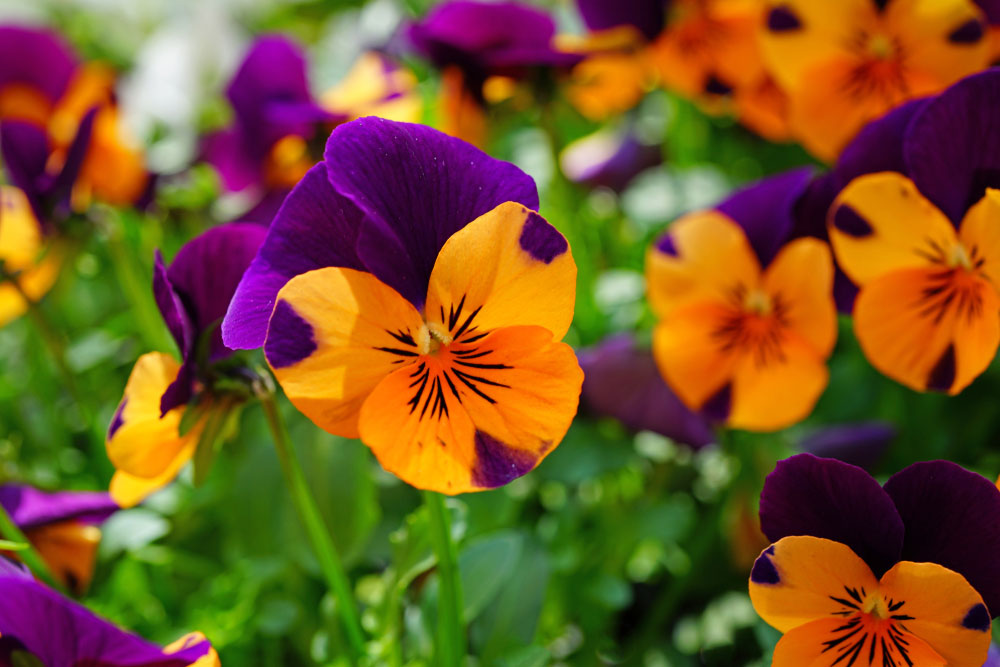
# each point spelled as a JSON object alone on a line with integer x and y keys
{"x": 407, "y": 293}
{"x": 472, "y": 41}
{"x": 844, "y": 63}
{"x": 39, "y": 626}
{"x": 621, "y": 381}
{"x": 26, "y": 255}
{"x": 50, "y": 106}
{"x": 862, "y": 574}
{"x": 170, "y": 409}
{"x": 746, "y": 320}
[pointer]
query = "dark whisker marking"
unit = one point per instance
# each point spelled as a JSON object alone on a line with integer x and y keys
{"x": 455, "y": 313}
{"x": 468, "y": 321}
{"x": 476, "y": 378}
{"x": 485, "y": 367}
{"x": 396, "y": 350}
{"x": 403, "y": 337}
{"x": 468, "y": 383}
{"x": 473, "y": 339}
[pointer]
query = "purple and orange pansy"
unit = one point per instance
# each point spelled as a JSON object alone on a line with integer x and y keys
{"x": 40, "y": 627}
{"x": 407, "y": 293}
{"x": 170, "y": 409}
{"x": 746, "y": 317}
{"x": 859, "y": 573}
{"x": 63, "y": 527}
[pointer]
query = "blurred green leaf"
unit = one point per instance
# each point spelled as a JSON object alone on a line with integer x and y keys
{"x": 485, "y": 565}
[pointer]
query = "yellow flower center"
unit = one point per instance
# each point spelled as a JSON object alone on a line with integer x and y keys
{"x": 432, "y": 337}
{"x": 959, "y": 257}
{"x": 881, "y": 47}
{"x": 875, "y": 605}
{"x": 758, "y": 302}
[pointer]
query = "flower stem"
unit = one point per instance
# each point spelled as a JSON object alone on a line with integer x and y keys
{"x": 319, "y": 534}
{"x": 451, "y": 625}
{"x": 28, "y": 555}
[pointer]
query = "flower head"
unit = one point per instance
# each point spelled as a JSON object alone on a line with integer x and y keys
{"x": 407, "y": 293}
{"x": 39, "y": 625}
{"x": 146, "y": 441}
{"x": 746, "y": 321}
{"x": 61, "y": 526}
{"x": 845, "y": 63}
{"x": 900, "y": 574}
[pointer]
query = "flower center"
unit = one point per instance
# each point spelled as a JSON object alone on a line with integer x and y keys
{"x": 875, "y": 605}
{"x": 757, "y": 302}
{"x": 959, "y": 257}
{"x": 881, "y": 47}
{"x": 432, "y": 337}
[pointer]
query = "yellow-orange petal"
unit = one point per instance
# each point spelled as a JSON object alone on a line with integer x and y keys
{"x": 24, "y": 254}
{"x": 460, "y": 114}
{"x": 881, "y": 223}
{"x": 809, "y": 646}
{"x": 799, "y": 579}
{"x": 763, "y": 107}
{"x": 930, "y": 329}
{"x": 980, "y": 235}
{"x": 210, "y": 659}
{"x": 945, "y": 610}
{"x": 474, "y": 416}
{"x": 374, "y": 88}
{"x": 800, "y": 283}
{"x": 705, "y": 257}
{"x": 507, "y": 267}
{"x": 333, "y": 336}
{"x": 609, "y": 83}
{"x": 24, "y": 103}
{"x": 69, "y": 548}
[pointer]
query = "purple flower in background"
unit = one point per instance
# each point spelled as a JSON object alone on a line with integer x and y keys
{"x": 621, "y": 381}
{"x": 646, "y": 16}
{"x": 861, "y": 444}
{"x": 36, "y": 622}
{"x": 608, "y": 159}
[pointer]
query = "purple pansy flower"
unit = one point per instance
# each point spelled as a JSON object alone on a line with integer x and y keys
{"x": 861, "y": 444}
{"x": 622, "y": 381}
{"x": 647, "y": 16}
{"x": 30, "y": 508}
{"x": 608, "y": 159}
{"x": 36, "y": 58}
{"x": 38, "y": 622}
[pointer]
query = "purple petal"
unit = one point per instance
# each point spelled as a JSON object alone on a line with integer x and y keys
{"x": 29, "y": 507}
{"x": 766, "y": 210}
{"x": 950, "y": 519}
{"x": 952, "y": 147}
{"x": 991, "y": 8}
{"x": 993, "y": 659}
{"x": 879, "y": 145}
{"x": 622, "y": 381}
{"x": 25, "y": 150}
{"x": 645, "y": 15}
{"x": 172, "y": 309}
{"x": 610, "y": 160}
{"x": 861, "y": 444}
{"x": 227, "y": 151}
{"x": 314, "y": 228}
{"x": 263, "y": 212}
{"x": 13, "y": 568}
{"x": 807, "y": 495}
{"x": 180, "y": 391}
{"x": 61, "y": 188}
{"x": 37, "y": 57}
{"x": 61, "y": 632}
{"x": 416, "y": 187}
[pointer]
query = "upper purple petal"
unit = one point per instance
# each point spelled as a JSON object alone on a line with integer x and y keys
{"x": 952, "y": 147}
{"x": 229, "y": 153}
{"x": 314, "y": 228}
{"x": 766, "y": 210}
{"x": 37, "y": 57}
{"x": 861, "y": 444}
{"x": 416, "y": 187}
{"x": 645, "y": 15}
{"x": 172, "y": 309}
{"x": 807, "y": 495}
{"x": 61, "y": 632}
{"x": 950, "y": 516}
{"x": 622, "y": 381}
{"x": 991, "y": 8}
{"x": 29, "y": 507}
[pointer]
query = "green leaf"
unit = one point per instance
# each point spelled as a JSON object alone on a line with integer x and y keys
{"x": 193, "y": 413}
{"x": 485, "y": 566}
{"x": 7, "y": 545}
{"x": 528, "y": 656}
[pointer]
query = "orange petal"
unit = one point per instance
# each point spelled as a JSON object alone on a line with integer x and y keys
{"x": 459, "y": 113}
{"x": 800, "y": 279}
{"x": 333, "y": 336}
{"x": 980, "y": 235}
{"x": 929, "y": 328}
{"x": 508, "y": 267}
{"x": 477, "y": 415}
{"x": 946, "y": 611}
{"x": 801, "y": 579}
{"x": 880, "y": 223}
{"x": 69, "y": 548}
{"x": 609, "y": 83}
{"x": 210, "y": 659}
{"x": 24, "y": 253}
{"x": 371, "y": 88}
{"x": 808, "y": 646}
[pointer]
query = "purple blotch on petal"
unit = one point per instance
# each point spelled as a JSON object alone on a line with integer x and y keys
{"x": 783, "y": 19}
{"x": 847, "y": 220}
{"x": 117, "y": 420}
{"x": 716, "y": 86}
{"x": 497, "y": 464}
{"x": 718, "y": 405}
{"x": 289, "y": 337}
{"x": 942, "y": 376}
{"x": 764, "y": 571}
{"x": 667, "y": 246}
{"x": 969, "y": 32}
{"x": 978, "y": 618}
{"x": 541, "y": 240}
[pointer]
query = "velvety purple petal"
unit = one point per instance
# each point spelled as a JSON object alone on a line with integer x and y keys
{"x": 861, "y": 444}
{"x": 879, "y": 145}
{"x": 645, "y": 15}
{"x": 950, "y": 516}
{"x": 61, "y": 188}
{"x": 226, "y": 150}
{"x": 206, "y": 271}
{"x": 180, "y": 391}
{"x": 37, "y": 57}
{"x": 416, "y": 187}
{"x": 807, "y": 495}
{"x": 314, "y": 228}
{"x": 952, "y": 147}
{"x": 263, "y": 212}
{"x": 61, "y": 632}
{"x": 29, "y": 507}
{"x": 766, "y": 210}
{"x": 991, "y": 8}
{"x": 608, "y": 159}
{"x": 993, "y": 659}
{"x": 622, "y": 381}
{"x": 14, "y": 568}
{"x": 172, "y": 309}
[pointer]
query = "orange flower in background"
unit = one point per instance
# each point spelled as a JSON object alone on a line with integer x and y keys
{"x": 375, "y": 86}
{"x": 845, "y": 62}
{"x": 927, "y": 313}
{"x": 25, "y": 256}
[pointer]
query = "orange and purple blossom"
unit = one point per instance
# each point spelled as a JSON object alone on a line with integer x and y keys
{"x": 860, "y": 573}
{"x": 61, "y": 526}
{"x": 407, "y": 293}
{"x": 39, "y": 626}
{"x": 746, "y": 317}
{"x": 145, "y": 441}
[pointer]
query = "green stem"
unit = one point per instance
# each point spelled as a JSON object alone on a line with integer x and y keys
{"x": 316, "y": 528}
{"x": 28, "y": 555}
{"x": 139, "y": 293}
{"x": 451, "y": 625}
